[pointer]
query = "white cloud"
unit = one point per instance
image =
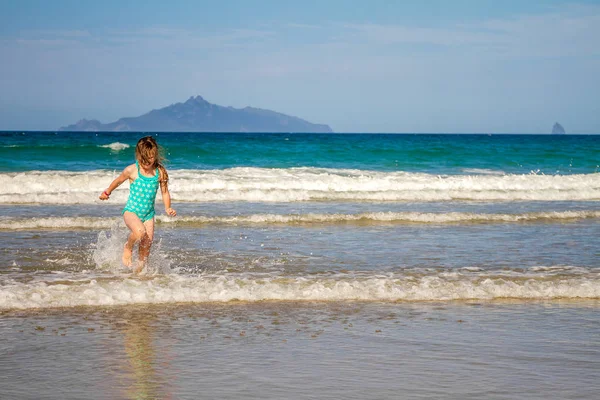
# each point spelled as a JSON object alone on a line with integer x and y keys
{"x": 572, "y": 31}
{"x": 46, "y": 42}
{"x": 393, "y": 34}
{"x": 302, "y": 26}
{"x": 55, "y": 33}
{"x": 157, "y": 38}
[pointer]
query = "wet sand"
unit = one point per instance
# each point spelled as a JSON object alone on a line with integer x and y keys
{"x": 304, "y": 350}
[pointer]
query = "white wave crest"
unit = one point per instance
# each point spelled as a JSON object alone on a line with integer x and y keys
{"x": 303, "y": 184}
{"x": 386, "y": 217}
{"x": 116, "y": 146}
{"x": 67, "y": 223}
{"x": 237, "y": 287}
{"x": 71, "y": 223}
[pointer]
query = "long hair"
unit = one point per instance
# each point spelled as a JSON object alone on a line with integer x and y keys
{"x": 146, "y": 150}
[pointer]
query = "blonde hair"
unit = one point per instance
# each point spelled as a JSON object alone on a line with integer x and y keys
{"x": 147, "y": 149}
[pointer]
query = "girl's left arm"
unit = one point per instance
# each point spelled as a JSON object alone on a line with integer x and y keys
{"x": 166, "y": 196}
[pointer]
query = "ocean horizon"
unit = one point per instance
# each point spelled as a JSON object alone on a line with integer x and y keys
{"x": 301, "y": 133}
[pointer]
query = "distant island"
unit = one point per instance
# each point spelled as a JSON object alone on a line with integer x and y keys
{"x": 557, "y": 129}
{"x": 198, "y": 115}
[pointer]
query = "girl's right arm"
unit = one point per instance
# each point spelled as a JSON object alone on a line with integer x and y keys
{"x": 126, "y": 174}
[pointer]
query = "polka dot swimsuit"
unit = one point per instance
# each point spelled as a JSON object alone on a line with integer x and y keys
{"x": 142, "y": 193}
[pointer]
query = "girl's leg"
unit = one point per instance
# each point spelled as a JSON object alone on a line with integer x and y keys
{"x": 138, "y": 231}
{"x": 146, "y": 243}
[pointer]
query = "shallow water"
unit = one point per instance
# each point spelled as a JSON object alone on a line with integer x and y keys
{"x": 304, "y": 266}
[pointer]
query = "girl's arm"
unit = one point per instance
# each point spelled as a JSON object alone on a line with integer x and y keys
{"x": 126, "y": 174}
{"x": 164, "y": 191}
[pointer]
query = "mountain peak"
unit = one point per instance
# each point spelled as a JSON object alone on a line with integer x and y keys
{"x": 197, "y": 99}
{"x": 198, "y": 115}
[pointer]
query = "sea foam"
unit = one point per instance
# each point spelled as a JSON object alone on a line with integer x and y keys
{"x": 226, "y": 287}
{"x": 75, "y": 223}
{"x": 303, "y": 184}
{"x": 116, "y": 146}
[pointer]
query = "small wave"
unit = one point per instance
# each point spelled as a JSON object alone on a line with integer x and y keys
{"x": 57, "y": 223}
{"x": 340, "y": 287}
{"x": 69, "y": 223}
{"x": 382, "y": 217}
{"x": 116, "y": 146}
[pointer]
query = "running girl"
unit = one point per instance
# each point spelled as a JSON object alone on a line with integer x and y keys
{"x": 145, "y": 176}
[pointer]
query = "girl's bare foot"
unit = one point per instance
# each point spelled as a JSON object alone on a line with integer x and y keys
{"x": 127, "y": 255}
{"x": 140, "y": 266}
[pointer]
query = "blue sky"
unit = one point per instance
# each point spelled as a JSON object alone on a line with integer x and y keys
{"x": 484, "y": 66}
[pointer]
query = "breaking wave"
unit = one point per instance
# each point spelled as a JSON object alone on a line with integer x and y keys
{"x": 541, "y": 283}
{"x": 116, "y": 146}
{"x": 303, "y": 184}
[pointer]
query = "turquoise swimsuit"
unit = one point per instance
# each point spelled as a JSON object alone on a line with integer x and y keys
{"x": 142, "y": 193}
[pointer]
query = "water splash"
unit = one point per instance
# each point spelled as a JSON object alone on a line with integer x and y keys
{"x": 107, "y": 253}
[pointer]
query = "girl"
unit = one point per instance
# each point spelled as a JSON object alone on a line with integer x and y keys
{"x": 144, "y": 178}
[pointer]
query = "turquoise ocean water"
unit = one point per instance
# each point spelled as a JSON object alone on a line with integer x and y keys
{"x": 432, "y": 154}
{"x": 304, "y": 266}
